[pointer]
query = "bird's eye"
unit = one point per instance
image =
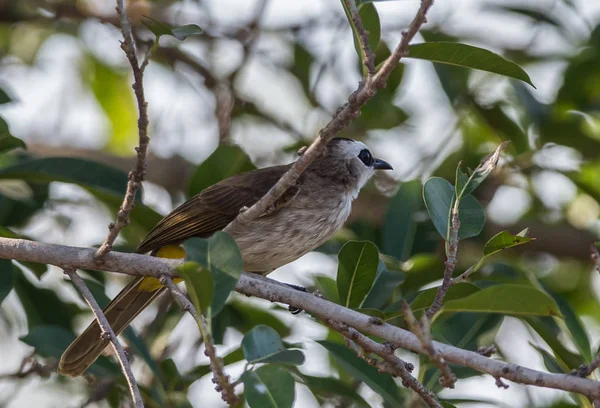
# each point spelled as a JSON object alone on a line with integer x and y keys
{"x": 366, "y": 157}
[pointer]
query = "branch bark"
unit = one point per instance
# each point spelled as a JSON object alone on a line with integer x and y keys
{"x": 366, "y": 90}
{"x": 108, "y": 332}
{"x": 258, "y": 286}
{"x": 137, "y": 174}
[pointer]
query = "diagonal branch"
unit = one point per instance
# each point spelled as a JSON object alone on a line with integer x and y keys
{"x": 423, "y": 332}
{"x": 366, "y": 90}
{"x": 368, "y": 57}
{"x": 216, "y": 363}
{"x": 265, "y": 288}
{"x": 107, "y": 332}
{"x": 392, "y": 364}
{"x": 137, "y": 174}
{"x": 449, "y": 265}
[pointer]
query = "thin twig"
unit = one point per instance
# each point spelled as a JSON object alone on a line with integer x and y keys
{"x": 137, "y": 174}
{"x": 449, "y": 265}
{"x": 265, "y": 288}
{"x": 221, "y": 380}
{"x": 423, "y": 332}
{"x": 108, "y": 333}
{"x": 343, "y": 117}
{"x": 392, "y": 364}
{"x": 368, "y": 57}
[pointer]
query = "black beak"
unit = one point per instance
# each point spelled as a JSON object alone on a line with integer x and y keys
{"x": 382, "y": 165}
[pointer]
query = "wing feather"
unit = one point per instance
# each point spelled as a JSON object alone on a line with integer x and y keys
{"x": 212, "y": 209}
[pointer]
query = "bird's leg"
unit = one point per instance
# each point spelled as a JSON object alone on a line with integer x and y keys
{"x": 294, "y": 310}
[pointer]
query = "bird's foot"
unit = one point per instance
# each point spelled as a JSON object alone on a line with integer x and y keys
{"x": 295, "y": 310}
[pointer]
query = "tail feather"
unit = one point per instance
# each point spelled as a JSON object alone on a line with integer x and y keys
{"x": 86, "y": 348}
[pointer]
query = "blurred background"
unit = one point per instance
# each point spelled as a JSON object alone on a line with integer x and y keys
{"x": 257, "y": 85}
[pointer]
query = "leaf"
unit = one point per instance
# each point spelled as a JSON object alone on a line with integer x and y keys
{"x": 159, "y": 29}
{"x": 552, "y": 364}
{"x": 269, "y": 386}
{"x": 468, "y": 56}
{"x": 7, "y": 140}
{"x": 6, "y": 278}
{"x": 224, "y": 162}
{"x": 301, "y": 67}
{"x": 508, "y": 299}
{"x": 262, "y": 344}
{"x": 358, "y": 263}
{"x": 221, "y": 255}
{"x": 52, "y": 341}
{"x": 43, "y": 306}
{"x": 400, "y": 224}
{"x": 575, "y": 327}
{"x": 328, "y": 287}
{"x": 479, "y": 175}
{"x": 382, "y": 384}
{"x": 85, "y": 173}
{"x": 328, "y": 387}
{"x": 112, "y": 90}
{"x": 4, "y": 98}
{"x": 549, "y": 331}
{"x": 370, "y": 22}
{"x": 438, "y": 195}
{"x": 199, "y": 284}
{"x": 383, "y": 287}
{"x": 504, "y": 240}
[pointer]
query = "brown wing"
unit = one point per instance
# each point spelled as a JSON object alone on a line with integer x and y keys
{"x": 213, "y": 209}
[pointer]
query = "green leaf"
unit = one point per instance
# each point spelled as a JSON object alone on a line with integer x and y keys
{"x": 84, "y": 173}
{"x": 358, "y": 262}
{"x": 43, "y": 306}
{"x": 7, "y": 140}
{"x": 159, "y": 29}
{"x": 550, "y": 332}
{"x": 503, "y": 240}
{"x": 328, "y": 387}
{"x": 4, "y": 98}
{"x": 52, "y": 341}
{"x": 438, "y": 195}
{"x": 263, "y": 345}
{"x": 224, "y": 162}
{"x": 463, "y": 188}
{"x": 382, "y": 384}
{"x": 112, "y": 89}
{"x": 425, "y": 298}
{"x": 468, "y": 56}
{"x": 221, "y": 255}
{"x": 383, "y": 287}
{"x": 552, "y": 363}
{"x": 301, "y": 68}
{"x": 506, "y": 299}
{"x": 199, "y": 284}
{"x": 575, "y": 327}
{"x": 269, "y": 386}
{"x": 328, "y": 287}
{"x": 400, "y": 224}
{"x": 370, "y": 21}
{"x": 6, "y": 278}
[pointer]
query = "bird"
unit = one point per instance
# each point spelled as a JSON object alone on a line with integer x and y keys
{"x": 304, "y": 217}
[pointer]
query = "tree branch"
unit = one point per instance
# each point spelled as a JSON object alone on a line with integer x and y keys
{"x": 137, "y": 174}
{"x": 449, "y": 265}
{"x": 366, "y": 90}
{"x": 392, "y": 364}
{"x": 363, "y": 37}
{"x": 265, "y": 288}
{"x": 216, "y": 363}
{"x": 107, "y": 332}
{"x": 423, "y": 331}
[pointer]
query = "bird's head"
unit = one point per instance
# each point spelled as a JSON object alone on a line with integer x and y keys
{"x": 350, "y": 161}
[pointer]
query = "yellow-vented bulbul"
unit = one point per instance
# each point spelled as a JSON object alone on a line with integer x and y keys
{"x": 303, "y": 218}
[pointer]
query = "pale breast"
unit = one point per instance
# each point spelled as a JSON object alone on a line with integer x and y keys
{"x": 270, "y": 242}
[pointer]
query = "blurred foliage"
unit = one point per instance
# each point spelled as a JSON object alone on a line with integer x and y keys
{"x": 391, "y": 251}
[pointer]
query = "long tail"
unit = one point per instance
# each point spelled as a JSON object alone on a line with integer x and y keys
{"x": 120, "y": 312}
